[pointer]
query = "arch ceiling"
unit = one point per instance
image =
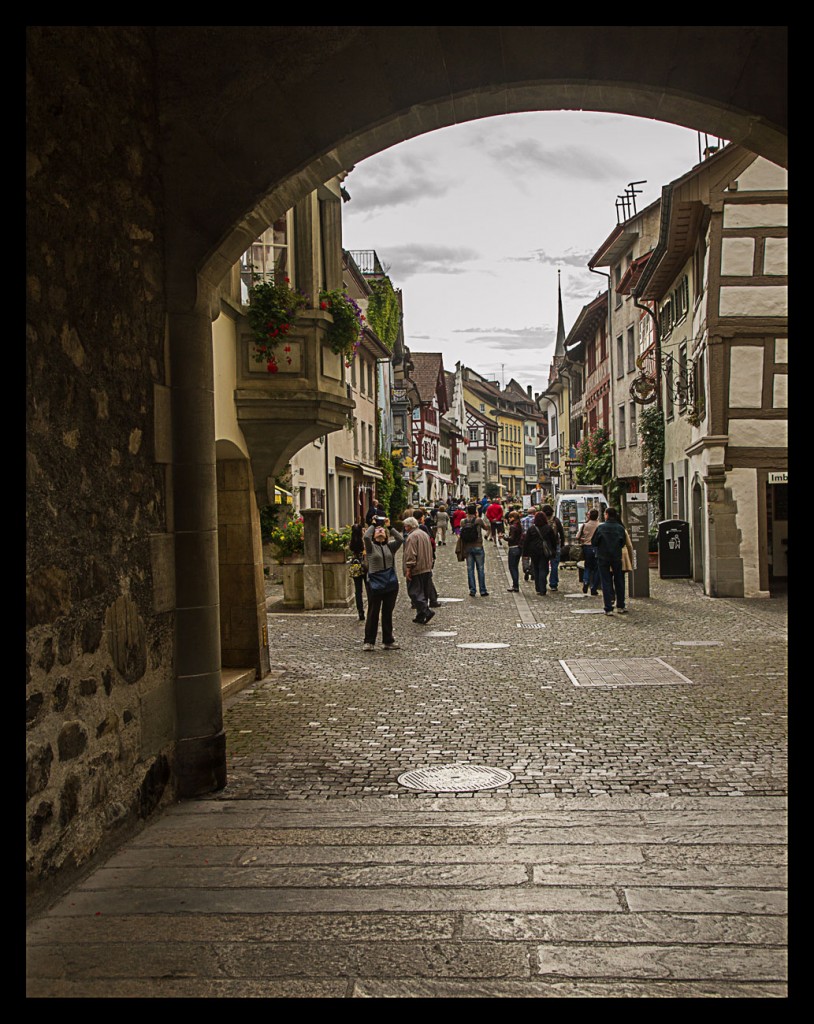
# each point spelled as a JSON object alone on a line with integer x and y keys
{"x": 253, "y": 118}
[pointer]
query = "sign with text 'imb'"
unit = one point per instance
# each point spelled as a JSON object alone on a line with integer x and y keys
{"x": 778, "y": 478}
{"x": 636, "y": 514}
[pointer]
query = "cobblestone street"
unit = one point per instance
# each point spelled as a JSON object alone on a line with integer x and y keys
{"x": 696, "y": 705}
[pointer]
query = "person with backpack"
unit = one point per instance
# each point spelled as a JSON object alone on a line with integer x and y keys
{"x": 554, "y": 561}
{"x": 540, "y": 544}
{"x": 469, "y": 549}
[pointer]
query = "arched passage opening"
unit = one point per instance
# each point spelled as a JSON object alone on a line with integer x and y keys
{"x": 255, "y": 119}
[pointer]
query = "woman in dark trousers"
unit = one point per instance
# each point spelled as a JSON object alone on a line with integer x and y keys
{"x": 381, "y": 544}
{"x": 539, "y": 531}
{"x": 515, "y": 540}
{"x": 357, "y": 549}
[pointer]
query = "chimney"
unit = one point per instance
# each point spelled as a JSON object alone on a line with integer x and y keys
{"x": 528, "y": 390}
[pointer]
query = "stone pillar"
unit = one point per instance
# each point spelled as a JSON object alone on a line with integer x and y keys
{"x": 200, "y": 739}
{"x": 307, "y": 247}
{"x": 313, "y": 587}
{"x": 331, "y": 220}
{"x": 723, "y": 549}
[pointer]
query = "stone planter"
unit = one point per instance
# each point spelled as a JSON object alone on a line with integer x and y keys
{"x": 337, "y": 584}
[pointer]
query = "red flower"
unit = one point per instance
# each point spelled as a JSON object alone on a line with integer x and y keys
{"x": 272, "y": 366}
{"x": 323, "y": 305}
{"x": 287, "y": 348}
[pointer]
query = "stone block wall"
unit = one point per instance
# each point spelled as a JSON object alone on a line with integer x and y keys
{"x": 99, "y": 643}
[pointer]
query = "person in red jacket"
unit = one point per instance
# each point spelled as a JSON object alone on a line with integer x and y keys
{"x": 456, "y": 518}
{"x": 494, "y": 513}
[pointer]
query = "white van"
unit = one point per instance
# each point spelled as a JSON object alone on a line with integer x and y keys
{"x": 572, "y": 508}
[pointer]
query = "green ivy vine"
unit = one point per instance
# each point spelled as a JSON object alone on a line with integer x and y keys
{"x": 384, "y": 312}
{"x": 651, "y": 431}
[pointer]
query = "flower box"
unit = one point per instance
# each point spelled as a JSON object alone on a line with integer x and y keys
{"x": 337, "y": 586}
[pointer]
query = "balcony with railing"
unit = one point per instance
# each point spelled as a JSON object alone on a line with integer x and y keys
{"x": 368, "y": 262}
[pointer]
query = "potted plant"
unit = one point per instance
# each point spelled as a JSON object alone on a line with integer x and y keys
{"x": 345, "y": 333}
{"x": 273, "y": 310}
{"x": 334, "y": 544}
{"x": 288, "y": 541}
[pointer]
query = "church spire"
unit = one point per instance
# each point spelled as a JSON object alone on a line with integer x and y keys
{"x": 559, "y": 348}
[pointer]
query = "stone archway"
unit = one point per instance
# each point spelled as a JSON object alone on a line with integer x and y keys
{"x": 253, "y": 118}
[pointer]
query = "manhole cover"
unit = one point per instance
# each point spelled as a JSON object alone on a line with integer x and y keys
{"x": 442, "y": 632}
{"x": 455, "y": 778}
{"x": 482, "y": 647}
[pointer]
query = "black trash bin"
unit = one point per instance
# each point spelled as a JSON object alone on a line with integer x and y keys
{"x": 674, "y": 549}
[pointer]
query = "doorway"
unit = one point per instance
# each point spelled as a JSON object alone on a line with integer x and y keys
{"x": 777, "y": 532}
{"x": 697, "y": 532}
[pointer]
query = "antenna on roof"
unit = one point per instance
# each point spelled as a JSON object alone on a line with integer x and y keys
{"x": 709, "y": 150}
{"x": 626, "y": 203}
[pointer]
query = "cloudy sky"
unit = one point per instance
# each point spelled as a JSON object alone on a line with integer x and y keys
{"x": 473, "y": 222}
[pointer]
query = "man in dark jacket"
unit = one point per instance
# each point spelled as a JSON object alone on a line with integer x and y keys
{"x": 554, "y": 563}
{"x": 376, "y": 511}
{"x": 608, "y": 540}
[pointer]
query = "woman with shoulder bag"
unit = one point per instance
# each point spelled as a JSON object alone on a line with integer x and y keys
{"x": 590, "y": 573}
{"x": 540, "y": 544}
{"x": 381, "y": 544}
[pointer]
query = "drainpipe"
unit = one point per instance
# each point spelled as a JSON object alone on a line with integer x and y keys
{"x": 610, "y": 346}
{"x": 647, "y": 273}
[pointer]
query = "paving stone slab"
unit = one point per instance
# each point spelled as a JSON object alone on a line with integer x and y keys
{"x": 292, "y": 927}
{"x": 730, "y": 962}
{"x": 613, "y": 989}
{"x": 709, "y": 901}
{"x": 317, "y": 877}
{"x": 568, "y": 854}
{"x": 641, "y": 834}
{"x": 191, "y": 988}
{"x": 289, "y": 901}
{"x": 694, "y": 876}
{"x": 674, "y": 929}
{"x": 388, "y": 959}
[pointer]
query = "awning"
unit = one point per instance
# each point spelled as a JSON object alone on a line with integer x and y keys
{"x": 282, "y": 496}
{"x": 376, "y": 474}
{"x": 439, "y": 476}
